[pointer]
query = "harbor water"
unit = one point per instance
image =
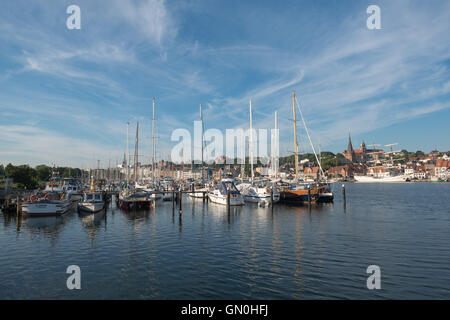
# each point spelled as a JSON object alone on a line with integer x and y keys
{"x": 253, "y": 252}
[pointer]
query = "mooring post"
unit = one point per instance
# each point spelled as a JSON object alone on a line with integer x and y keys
{"x": 17, "y": 205}
{"x": 173, "y": 201}
{"x": 228, "y": 201}
{"x": 271, "y": 197}
{"x": 343, "y": 195}
{"x": 181, "y": 199}
{"x": 309, "y": 195}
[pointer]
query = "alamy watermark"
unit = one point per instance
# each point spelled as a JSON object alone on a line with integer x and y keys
{"x": 374, "y": 280}
{"x": 74, "y": 280}
{"x": 74, "y": 20}
{"x": 229, "y": 148}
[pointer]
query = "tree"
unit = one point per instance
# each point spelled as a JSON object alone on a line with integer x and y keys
{"x": 43, "y": 172}
{"x": 23, "y": 175}
{"x": 419, "y": 153}
{"x": 2, "y": 170}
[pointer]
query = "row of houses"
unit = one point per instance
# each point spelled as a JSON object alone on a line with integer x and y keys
{"x": 421, "y": 168}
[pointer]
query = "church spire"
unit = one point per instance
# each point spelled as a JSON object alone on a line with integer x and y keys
{"x": 349, "y": 147}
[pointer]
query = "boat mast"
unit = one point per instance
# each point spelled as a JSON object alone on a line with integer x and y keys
{"x": 136, "y": 165}
{"x": 128, "y": 155}
{"x": 295, "y": 136}
{"x": 201, "y": 119}
{"x": 251, "y": 140}
{"x": 153, "y": 143}
{"x": 275, "y": 155}
{"x": 309, "y": 137}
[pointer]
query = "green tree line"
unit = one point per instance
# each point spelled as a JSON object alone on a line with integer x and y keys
{"x": 26, "y": 177}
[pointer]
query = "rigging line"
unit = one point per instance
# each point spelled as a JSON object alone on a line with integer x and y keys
{"x": 309, "y": 138}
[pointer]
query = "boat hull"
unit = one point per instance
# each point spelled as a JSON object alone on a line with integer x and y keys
{"x": 298, "y": 196}
{"x": 91, "y": 206}
{"x": 369, "y": 179}
{"x": 46, "y": 209}
{"x": 221, "y": 199}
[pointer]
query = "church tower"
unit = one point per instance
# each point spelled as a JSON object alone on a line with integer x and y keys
{"x": 350, "y": 153}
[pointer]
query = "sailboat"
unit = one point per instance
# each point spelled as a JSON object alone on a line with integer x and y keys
{"x": 295, "y": 193}
{"x": 200, "y": 189}
{"x": 324, "y": 187}
{"x": 133, "y": 198}
{"x": 259, "y": 192}
{"x": 152, "y": 188}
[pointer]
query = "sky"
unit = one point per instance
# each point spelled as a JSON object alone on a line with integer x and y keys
{"x": 66, "y": 95}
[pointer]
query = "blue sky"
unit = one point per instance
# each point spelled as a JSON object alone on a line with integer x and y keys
{"x": 66, "y": 95}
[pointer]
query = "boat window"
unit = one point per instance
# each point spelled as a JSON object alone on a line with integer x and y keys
{"x": 89, "y": 196}
{"x": 98, "y": 197}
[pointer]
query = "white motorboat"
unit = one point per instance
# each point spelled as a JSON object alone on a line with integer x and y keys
{"x": 219, "y": 195}
{"x": 256, "y": 194}
{"x": 92, "y": 202}
{"x": 48, "y": 204}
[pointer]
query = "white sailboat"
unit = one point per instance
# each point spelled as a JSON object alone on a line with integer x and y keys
{"x": 250, "y": 191}
{"x": 199, "y": 191}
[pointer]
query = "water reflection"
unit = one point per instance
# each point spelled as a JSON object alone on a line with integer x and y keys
{"x": 251, "y": 252}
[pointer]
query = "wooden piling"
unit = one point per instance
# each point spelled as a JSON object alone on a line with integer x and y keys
{"x": 343, "y": 195}
{"x": 181, "y": 200}
{"x": 309, "y": 196}
{"x": 228, "y": 201}
{"x": 173, "y": 201}
{"x": 271, "y": 197}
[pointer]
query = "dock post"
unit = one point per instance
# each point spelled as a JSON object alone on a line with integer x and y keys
{"x": 309, "y": 196}
{"x": 181, "y": 200}
{"x": 271, "y": 197}
{"x": 18, "y": 205}
{"x": 173, "y": 201}
{"x": 343, "y": 195}
{"x": 228, "y": 201}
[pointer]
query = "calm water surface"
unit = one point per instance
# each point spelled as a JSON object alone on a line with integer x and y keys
{"x": 253, "y": 253}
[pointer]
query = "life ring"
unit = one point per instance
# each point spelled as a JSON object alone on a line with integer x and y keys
{"x": 48, "y": 197}
{"x": 34, "y": 198}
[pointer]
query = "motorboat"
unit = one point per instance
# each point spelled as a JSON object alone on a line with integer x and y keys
{"x": 92, "y": 202}
{"x": 258, "y": 192}
{"x": 47, "y": 204}
{"x": 220, "y": 194}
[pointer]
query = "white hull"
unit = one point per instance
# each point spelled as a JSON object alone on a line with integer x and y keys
{"x": 236, "y": 200}
{"x": 259, "y": 198}
{"x": 91, "y": 206}
{"x": 197, "y": 194}
{"x": 370, "y": 179}
{"x": 256, "y": 195}
{"x": 47, "y": 208}
{"x": 155, "y": 196}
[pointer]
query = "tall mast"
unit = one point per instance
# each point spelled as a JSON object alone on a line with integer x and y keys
{"x": 275, "y": 148}
{"x": 136, "y": 162}
{"x": 251, "y": 140}
{"x": 295, "y": 135}
{"x": 128, "y": 154}
{"x": 153, "y": 143}
{"x": 201, "y": 119}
